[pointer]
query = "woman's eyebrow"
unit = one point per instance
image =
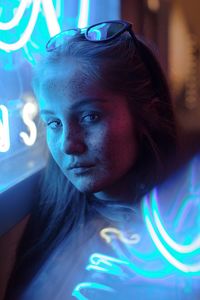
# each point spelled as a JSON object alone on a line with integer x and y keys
{"x": 78, "y": 104}
{"x": 88, "y": 101}
{"x": 46, "y": 111}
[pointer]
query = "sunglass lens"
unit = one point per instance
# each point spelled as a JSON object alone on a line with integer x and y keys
{"x": 104, "y": 31}
{"x": 60, "y": 39}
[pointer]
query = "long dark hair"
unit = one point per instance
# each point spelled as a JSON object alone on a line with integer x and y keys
{"x": 122, "y": 67}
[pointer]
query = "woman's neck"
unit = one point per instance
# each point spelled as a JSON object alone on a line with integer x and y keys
{"x": 123, "y": 191}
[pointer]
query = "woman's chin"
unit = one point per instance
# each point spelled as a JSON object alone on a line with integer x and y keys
{"x": 88, "y": 188}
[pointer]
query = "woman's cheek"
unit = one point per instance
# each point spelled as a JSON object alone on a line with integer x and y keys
{"x": 95, "y": 137}
{"x": 53, "y": 147}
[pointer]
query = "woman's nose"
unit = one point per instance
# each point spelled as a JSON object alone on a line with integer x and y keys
{"x": 72, "y": 141}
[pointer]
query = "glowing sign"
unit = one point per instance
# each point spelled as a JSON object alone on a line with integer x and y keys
{"x": 4, "y": 130}
{"x": 28, "y": 114}
{"x": 89, "y": 285}
{"x": 169, "y": 247}
{"x": 107, "y": 234}
{"x": 192, "y": 247}
{"x": 106, "y": 264}
{"x": 83, "y": 13}
{"x": 49, "y": 12}
{"x": 136, "y": 261}
{"x": 166, "y": 245}
{"x": 51, "y": 20}
{"x": 17, "y": 17}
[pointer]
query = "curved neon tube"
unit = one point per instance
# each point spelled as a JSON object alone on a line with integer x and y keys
{"x": 89, "y": 285}
{"x": 186, "y": 268}
{"x": 195, "y": 245}
{"x": 29, "y": 112}
{"x": 4, "y": 130}
{"x": 104, "y": 233}
{"x": 51, "y": 19}
{"x": 83, "y": 13}
{"x": 111, "y": 265}
{"x": 27, "y": 32}
{"x": 17, "y": 17}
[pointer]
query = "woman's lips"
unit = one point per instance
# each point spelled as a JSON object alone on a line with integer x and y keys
{"x": 81, "y": 170}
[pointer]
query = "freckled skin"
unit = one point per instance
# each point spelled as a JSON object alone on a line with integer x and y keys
{"x": 107, "y": 142}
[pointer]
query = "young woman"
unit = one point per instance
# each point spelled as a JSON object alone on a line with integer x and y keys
{"x": 111, "y": 135}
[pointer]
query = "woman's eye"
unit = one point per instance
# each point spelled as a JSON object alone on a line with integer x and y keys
{"x": 90, "y": 117}
{"x": 54, "y": 124}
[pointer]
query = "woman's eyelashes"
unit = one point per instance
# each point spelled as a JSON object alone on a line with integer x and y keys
{"x": 85, "y": 118}
{"x": 54, "y": 124}
{"x": 90, "y": 117}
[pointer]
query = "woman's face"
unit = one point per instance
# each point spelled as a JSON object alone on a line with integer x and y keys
{"x": 90, "y": 131}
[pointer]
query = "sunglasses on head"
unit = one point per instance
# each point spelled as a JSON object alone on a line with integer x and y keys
{"x": 100, "y": 32}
